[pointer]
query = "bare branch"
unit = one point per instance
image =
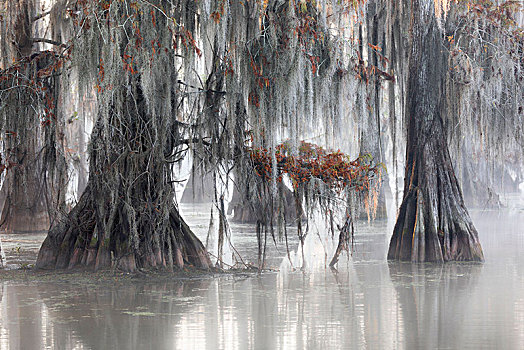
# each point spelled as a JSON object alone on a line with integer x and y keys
{"x": 193, "y": 140}
{"x": 40, "y": 16}
{"x": 200, "y": 89}
{"x": 47, "y": 41}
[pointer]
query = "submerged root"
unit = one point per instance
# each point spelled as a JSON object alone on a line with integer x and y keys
{"x": 344, "y": 240}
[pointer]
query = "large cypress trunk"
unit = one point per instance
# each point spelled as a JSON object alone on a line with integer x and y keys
{"x": 126, "y": 218}
{"x": 433, "y": 223}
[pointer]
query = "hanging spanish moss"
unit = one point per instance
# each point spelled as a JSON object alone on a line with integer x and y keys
{"x": 485, "y": 92}
{"x": 238, "y": 86}
{"x": 127, "y": 214}
{"x": 267, "y": 70}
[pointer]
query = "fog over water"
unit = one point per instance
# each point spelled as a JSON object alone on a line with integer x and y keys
{"x": 368, "y": 304}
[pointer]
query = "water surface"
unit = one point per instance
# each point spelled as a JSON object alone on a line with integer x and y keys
{"x": 367, "y": 304}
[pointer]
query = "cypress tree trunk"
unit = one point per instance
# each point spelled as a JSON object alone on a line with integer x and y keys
{"x": 126, "y": 218}
{"x": 24, "y": 207}
{"x": 371, "y": 140}
{"x": 433, "y": 223}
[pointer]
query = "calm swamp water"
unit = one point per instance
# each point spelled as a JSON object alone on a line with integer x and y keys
{"x": 367, "y": 304}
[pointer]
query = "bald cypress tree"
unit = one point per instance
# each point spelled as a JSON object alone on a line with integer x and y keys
{"x": 178, "y": 74}
{"x": 231, "y": 81}
{"x": 23, "y": 190}
{"x": 433, "y": 223}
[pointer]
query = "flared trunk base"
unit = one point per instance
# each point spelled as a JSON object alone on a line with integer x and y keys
{"x": 433, "y": 223}
{"x": 77, "y": 241}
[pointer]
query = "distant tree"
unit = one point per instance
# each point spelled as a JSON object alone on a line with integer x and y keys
{"x": 23, "y": 191}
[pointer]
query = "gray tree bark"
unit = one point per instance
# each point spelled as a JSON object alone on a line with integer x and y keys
{"x": 433, "y": 223}
{"x": 126, "y": 217}
{"x": 24, "y": 207}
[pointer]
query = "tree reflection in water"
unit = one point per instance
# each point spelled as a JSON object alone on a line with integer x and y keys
{"x": 367, "y": 303}
{"x": 434, "y": 301}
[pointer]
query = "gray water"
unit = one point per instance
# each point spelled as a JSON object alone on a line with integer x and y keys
{"x": 367, "y": 304}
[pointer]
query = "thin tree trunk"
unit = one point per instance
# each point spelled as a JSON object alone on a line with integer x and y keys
{"x": 2, "y": 255}
{"x": 433, "y": 223}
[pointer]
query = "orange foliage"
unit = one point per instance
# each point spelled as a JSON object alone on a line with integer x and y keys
{"x": 335, "y": 169}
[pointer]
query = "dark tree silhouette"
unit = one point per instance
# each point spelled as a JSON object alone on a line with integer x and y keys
{"x": 433, "y": 223}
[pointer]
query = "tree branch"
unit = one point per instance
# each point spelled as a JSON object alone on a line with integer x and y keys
{"x": 193, "y": 140}
{"x": 47, "y": 41}
{"x": 39, "y": 16}
{"x": 200, "y": 89}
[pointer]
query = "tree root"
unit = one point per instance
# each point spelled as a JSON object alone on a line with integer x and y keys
{"x": 79, "y": 241}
